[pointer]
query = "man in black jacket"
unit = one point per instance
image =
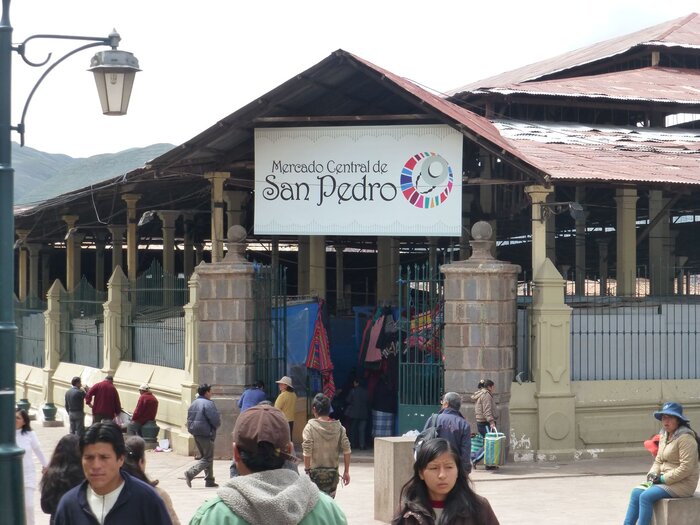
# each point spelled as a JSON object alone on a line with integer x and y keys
{"x": 452, "y": 426}
{"x": 75, "y": 406}
{"x": 108, "y": 495}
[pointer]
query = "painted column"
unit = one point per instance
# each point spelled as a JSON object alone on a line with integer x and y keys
{"x": 100, "y": 242}
{"x": 217, "y": 180}
{"x": 116, "y": 341}
{"x": 464, "y": 250}
{"x": 603, "y": 266}
{"x": 132, "y": 236}
{"x": 626, "y": 235}
{"x": 275, "y": 254}
{"x": 551, "y": 355}
{"x": 317, "y": 266}
{"x": 22, "y": 264}
{"x": 303, "y": 265}
{"x": 384, "y": 264}
{"x": 187, "y": 244}
{"x": 198, "y": 253}
{"x": 168, "y": 219}
{"x": 580, "y": 246}
{"x": 34, "y": 256}
{"x": 182, "y": 440}
{"x": 480, "y": 324}
{"x": 235, "y": 203}
{"x": 538, "y": 196}
{"x": 659, "y": 264}
{"x": 339, "y": 279}
{"x": 52, "y": 341}
{"x": 71, "y": 280}
{"x": 117, "y": 233}
{"x": 551, "y": 227}
{"x": 46, "y": 270}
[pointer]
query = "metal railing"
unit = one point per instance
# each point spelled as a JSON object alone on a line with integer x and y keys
{"x": 82, "y": 325}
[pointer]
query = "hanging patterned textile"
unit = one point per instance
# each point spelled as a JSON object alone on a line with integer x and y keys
{"x": 319, "y": 357}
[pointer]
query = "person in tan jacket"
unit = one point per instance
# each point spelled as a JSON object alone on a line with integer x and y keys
{"x": 674, "y": 473}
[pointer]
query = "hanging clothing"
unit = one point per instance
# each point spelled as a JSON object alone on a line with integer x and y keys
{"x": 319, "y": 356}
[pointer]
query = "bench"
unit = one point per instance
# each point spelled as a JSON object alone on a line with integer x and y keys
{"x": 677, "y": 511}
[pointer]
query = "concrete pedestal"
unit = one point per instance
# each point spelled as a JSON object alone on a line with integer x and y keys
{"x": 393, "y": 467}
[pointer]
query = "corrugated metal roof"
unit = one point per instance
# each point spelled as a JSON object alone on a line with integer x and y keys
{"x": 683, "y": 32}
{"x": 663, "y": 85}
{"x": 576, "y": 152}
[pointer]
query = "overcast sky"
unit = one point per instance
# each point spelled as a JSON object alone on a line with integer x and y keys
{"x": 203, "y": 59}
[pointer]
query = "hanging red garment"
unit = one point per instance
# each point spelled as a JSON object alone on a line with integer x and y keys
{"x": 319, "y": 357}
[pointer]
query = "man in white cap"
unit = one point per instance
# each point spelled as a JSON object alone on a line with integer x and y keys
{"x": 265, "y": 492}
{"x": 146, "y": 410}
{"x": 287, "y": 401}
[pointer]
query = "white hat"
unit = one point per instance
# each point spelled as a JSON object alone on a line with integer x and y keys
{"x": 286, "y": 380}
{"x": 144, "y": 387}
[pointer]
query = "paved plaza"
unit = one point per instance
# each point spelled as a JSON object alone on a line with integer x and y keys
{"x": 582, "y": 492}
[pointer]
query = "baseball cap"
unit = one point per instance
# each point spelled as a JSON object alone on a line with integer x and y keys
{"x": 262, "y": 423}
{"x": 145, "y": 387}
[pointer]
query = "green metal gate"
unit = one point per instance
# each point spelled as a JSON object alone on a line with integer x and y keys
{"x": 82, "y": 325}
{"x": 421, "y": 368}
{"x": 270, "y": 325}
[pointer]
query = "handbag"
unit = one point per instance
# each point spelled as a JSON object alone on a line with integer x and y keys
{"x": 495, "y": 449}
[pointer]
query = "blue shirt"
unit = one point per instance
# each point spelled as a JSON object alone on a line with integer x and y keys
{"x": 250, "y": 398}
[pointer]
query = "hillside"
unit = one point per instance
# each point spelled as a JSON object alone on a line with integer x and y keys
{"x": 40, "y": 176}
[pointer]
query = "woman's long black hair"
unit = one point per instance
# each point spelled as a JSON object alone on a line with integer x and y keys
{"x": 26, "y": 425}
{"x": 135, "y": 452}
{"x": 461, "y": 500}
{"x": 65, "y": 471}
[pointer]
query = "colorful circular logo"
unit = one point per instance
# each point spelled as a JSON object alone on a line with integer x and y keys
{"x": 426, "y": 180}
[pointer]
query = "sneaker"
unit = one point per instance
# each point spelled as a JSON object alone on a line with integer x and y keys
{"x": 211, "y": 484}
{"x": 188, "y": 479}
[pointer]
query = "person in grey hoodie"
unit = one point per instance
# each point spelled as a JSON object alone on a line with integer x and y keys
{"x": 265, "y": 492}
{"x": 202, "y": 421}
{"x": 324, "y": 439}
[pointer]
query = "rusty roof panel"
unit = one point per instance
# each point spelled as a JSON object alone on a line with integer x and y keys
{"x": 664, "y": 85}
{"x": 575, "y": 152}
{"x": 683, "y": 32}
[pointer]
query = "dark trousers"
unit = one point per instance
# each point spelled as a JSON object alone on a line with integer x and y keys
{"x": 358, "y": 433}
{"x": 206, "y": 463}
{"x": 77, "y": 422}
{"x": 134, "y": 429}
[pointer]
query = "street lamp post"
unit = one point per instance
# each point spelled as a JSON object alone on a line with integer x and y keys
{"x": 114, "y": 74}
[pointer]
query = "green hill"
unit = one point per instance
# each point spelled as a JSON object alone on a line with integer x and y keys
{"x": 40, "y": 176}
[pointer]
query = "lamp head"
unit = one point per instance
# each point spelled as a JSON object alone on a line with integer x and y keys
{"x": 114, "y": 72}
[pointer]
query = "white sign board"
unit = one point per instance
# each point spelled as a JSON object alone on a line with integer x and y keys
{"x": 368, "y": 180}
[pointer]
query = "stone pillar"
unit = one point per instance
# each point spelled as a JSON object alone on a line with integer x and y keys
{"x": 580, "y": 287}
{"x": 100, "y": 242}
{"x": 303, "y": 265}
{"x": 317, "y": 266}
{"x": 339, "y": 279}
{"x": 480, "y": 324}
{"x": 188, "y": 248}
{"x": 659, "y": 264}
{"x": 550, "y": 329}
{"x": 224, "y": 356}
{"x": 22, "y": 264}
{"x": 538, "y": 196}
{"x": 52, "y": 342}
{"x": 116, "y": 337}
{"x": 72, "y": 276}
{"x": 603, "y": 265}
{"x": 681, "y": 261}
{"x": 198, "y": 253}
{"x": 168, "y": 219}
{"x": 551, "y": 227}
{"x": 626, "y": 235}
{"x": 217, "y": 180}
{"x": 132, "y": 236}
{"x": 34, "y": 250}
{"x": 117, "y": 233}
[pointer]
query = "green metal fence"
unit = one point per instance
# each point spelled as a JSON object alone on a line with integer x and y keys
{"x": 29, "y": 318}
{"x": 270, "y": 324}
{"x": 82, "y": 325}
{"x": 155, "y": 324}
{"x": 421, "y": 368}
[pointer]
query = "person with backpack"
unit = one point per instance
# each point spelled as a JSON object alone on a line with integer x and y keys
{"x": 674, "y": 473}
{"x": 451, "y": 425}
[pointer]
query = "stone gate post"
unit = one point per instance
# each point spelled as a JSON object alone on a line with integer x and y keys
{"x": 480, "y": 324}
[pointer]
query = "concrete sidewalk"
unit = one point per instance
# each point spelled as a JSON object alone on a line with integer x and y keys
{"x": 581, "y": 492}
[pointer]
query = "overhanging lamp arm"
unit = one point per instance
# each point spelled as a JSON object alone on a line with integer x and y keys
{"x": 20, "y": 127}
